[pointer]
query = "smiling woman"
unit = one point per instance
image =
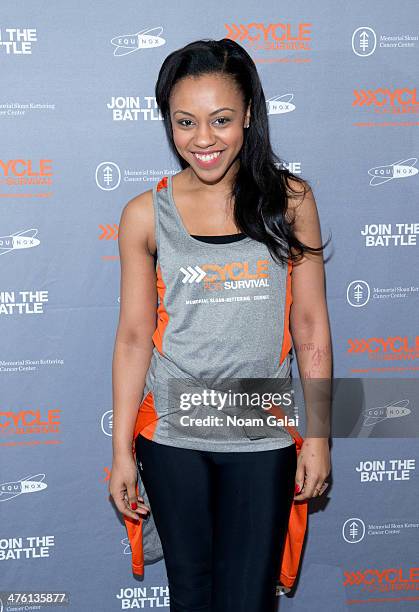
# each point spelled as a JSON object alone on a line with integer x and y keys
{"x": 208, "y": 138}
{"x": 221, "y": 276}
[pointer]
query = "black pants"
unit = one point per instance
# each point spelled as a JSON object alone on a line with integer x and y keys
{"x": 222, "y": 519}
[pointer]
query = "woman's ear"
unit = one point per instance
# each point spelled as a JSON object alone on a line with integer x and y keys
{"x": 247, "y": 117}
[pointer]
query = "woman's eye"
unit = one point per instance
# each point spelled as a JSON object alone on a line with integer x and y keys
{"x": 181, "y": 122}
{"x": 226, "y": 119}
{"x": 222, "y": 120}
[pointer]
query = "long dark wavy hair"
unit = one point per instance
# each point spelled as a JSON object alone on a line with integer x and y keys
{"x": 261, "y": 187}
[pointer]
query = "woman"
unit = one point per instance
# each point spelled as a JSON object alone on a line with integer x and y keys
{"x": 226, "y": 232}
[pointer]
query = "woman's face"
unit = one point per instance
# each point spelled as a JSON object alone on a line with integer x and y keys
{"x": 208, "y": 119}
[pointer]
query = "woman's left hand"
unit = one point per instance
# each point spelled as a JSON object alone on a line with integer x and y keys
{"x": 313, "y": 467}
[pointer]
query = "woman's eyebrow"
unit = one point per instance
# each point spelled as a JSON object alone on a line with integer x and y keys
{"x": 213, "y": 112}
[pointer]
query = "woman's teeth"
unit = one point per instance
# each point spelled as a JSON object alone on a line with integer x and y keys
{"x": 207, "y": 158}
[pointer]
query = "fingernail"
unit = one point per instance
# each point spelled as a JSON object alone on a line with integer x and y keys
{"x": 297, "y": 488}
{"x": 134, "y": 505}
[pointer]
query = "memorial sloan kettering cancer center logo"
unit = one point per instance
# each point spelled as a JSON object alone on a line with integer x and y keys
{"x": 365, "y": 41}
{"x": 232, "y": 275}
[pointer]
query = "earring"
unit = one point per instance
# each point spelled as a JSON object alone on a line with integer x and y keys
{"x": 246, "y": 126}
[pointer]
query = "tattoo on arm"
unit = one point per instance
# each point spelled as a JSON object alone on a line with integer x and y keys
{"x": 315, "y": 360}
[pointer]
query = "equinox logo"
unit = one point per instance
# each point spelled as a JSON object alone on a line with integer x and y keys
{"x": 19, "y": 240}
{"x": 28, "y": 484}
{"x": 399, "y": 169}
{"x": 392, "y": 410}
{"x": 279, "y": 105}
{"x": 145, "y": 39}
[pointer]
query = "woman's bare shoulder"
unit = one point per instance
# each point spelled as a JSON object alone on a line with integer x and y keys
{"x": 300, "y": 197}
{"x": 141, "y": 205}
{"x": 138, "y": 217}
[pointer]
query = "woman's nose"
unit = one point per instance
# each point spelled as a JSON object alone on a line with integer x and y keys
{"x": 204, "y": 136}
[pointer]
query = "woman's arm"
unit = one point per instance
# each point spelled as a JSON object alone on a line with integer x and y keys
{"x": 309, "y": 321}
{"x": 133, "y": 343}
{"x": 310, "y": 331}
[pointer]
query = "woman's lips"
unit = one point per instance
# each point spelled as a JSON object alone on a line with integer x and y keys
{"x": 207, "y": 163}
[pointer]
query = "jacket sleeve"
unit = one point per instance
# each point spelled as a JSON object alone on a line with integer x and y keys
{"x": 294, "y": 541}
{"x": 135, "y": 527}
{"x": 297, "y": 523}
{"x": 135, "y": 537}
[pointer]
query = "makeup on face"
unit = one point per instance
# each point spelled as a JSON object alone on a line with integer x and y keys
{"x": 207, "y": 140}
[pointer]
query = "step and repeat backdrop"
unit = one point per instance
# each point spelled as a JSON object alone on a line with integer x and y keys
{"x": 80, "y": 136}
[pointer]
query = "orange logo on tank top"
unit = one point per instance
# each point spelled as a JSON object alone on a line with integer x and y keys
{"x": 232, "y": 275}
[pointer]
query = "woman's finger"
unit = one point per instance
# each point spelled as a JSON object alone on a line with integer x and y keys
{"x": 299, "y": 480}
{"x": 133, "y": 499}
{"x": 124, "y": 506}
{"x": 320, "y": 488}
{"x": 121, "y": 503}
{"x": 310, "y": 482}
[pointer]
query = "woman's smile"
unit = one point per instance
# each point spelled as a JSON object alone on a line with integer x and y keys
{"x": 207, "y": 160}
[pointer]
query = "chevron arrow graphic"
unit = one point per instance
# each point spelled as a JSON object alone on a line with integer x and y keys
{"x": 192, "y": 274}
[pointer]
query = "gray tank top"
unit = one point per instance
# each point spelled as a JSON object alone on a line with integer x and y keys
{"x": 222, "y": 318}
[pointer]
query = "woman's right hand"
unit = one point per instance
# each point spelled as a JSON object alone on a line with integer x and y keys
{"x": 122, "y": 487}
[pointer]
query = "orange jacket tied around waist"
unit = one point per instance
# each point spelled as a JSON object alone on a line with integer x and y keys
{"x": 297, "y": 523}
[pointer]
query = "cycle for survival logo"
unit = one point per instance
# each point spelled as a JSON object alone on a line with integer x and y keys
{"x": 232, "y": 275}
{"x": 215, "y": 279}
